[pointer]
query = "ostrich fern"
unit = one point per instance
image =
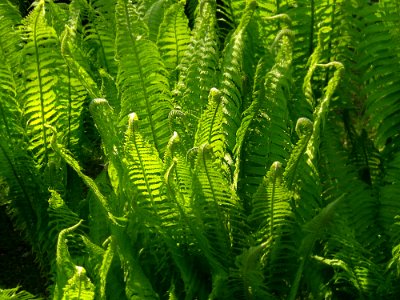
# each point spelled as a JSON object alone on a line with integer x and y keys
{"x": 203, "y": 149}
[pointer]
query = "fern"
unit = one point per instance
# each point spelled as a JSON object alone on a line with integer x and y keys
{"x": 173, "y": 39}
{"x": 210, "y": 124}
{"x": 216, "y": 206}
{"x": 231, "y": 78}
{"x": 141, "y": 78}
{"x": 273, "y": 222}
{"x": 144, "y": 170}
{"x": 246, "y": 149}
{"x": 99, "y": 33}
{"x": 198, "y": 68}
{"x": 8, "y": 294}
{"x": 266, "y": 116}
{"x": 39, "y": 95}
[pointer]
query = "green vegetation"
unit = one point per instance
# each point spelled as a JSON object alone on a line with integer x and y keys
{"x": 203, "y": 149}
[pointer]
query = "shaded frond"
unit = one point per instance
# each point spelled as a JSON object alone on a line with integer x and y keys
{"x": 154, "y": 17}
{"x": 198, "y": 68}
{"x": 230, "y": 12}
{"x": 231, "y": 79}
{"x": 382, "y": 66}
{"x": 216, "y": 206}
{"x": 99, "y": 33}
{"x": 247, "y": 279}
{"x": 263, "y": 136}
{"x": 16, "y": 294}
{"x": 314, "y": 230}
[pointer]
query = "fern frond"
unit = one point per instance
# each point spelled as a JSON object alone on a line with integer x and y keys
{"x": 75, "y": 166}
{"x": 154, "y": 17}
{"x": 77, "y": 62}
{"x": 230, "y": 12}
{"x": 138, "y": 285}
{"x": 209, "y": 128}
{"x": 272, "y": 223}
{"x": 39, "y": 95}
{"x": 16, "y": 294}
{"x": 178, "y": 172}
{"x": 353, "y": 265}
{"x": 362, "y": 208}
{"x": 105, "y": 267}
{"x": 178, "y": 178}
{"x": 141, "y": 76}
{"x": 323, "y": 108}
{"x": 313, "y": 64}
{"x": 198, "y": 68}
{"x": 60, "y": 216}
{"x": 263, "y": 136}
{"x": 304, "y": 128}
{"x": 314, "y": 230}
{"x": 100, "y": 231}
{"x": 144, "y": 170}
{"x": 65, "y": 266}
{"x": 247, "y": 281}
{"x": 99, "y": 33}
{"x": 79, "y": 286}
{"x": 303, "y": 24}
{"x": 10, "y": 108}
{"x": 173, "y": 39}
{"x": 231, "y": 78}
{"x": 9, "y": 33}
{"x": 216, "y": 206}
{"x": 380, "y": 78}
{"x": 270, "y": 206}
{"x": 104, "y": 115}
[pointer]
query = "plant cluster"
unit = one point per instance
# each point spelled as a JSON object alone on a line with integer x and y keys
{"x": 204, "y": 149}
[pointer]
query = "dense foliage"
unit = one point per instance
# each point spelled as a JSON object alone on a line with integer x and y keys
{"x": 203, "y": 149}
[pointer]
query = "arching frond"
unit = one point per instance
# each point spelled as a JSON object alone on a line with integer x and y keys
{"x": 72, "y": 281}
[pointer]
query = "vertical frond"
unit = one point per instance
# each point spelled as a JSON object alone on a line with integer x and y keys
{"x": 141, "y": 79}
